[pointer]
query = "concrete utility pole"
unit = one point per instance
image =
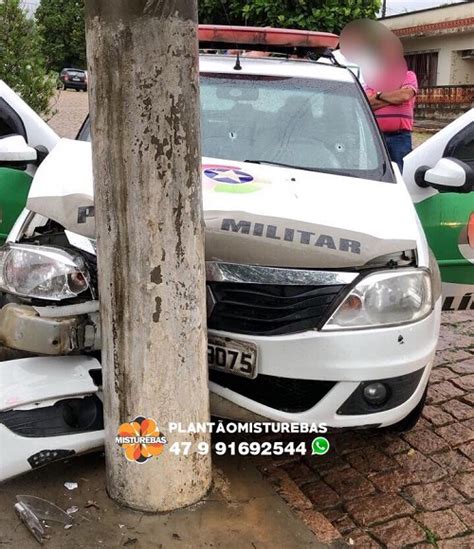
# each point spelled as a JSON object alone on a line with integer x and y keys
{"x": 144, "y": 103}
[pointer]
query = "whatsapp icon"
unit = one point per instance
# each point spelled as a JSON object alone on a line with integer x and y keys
{"x": 320, "y": 446}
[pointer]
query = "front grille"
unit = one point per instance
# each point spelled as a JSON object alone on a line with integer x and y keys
{"x": 280, "y": 393}
{"x": 270, "y": 309}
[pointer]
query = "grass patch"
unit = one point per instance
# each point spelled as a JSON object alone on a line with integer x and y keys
{"x": 431, "y": 537}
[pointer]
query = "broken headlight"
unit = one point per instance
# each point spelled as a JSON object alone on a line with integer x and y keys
{"x": 385, "y": 298}
{"x": 42, "y": 272}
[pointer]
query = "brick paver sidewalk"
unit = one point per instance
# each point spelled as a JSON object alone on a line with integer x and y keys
{"x": 388, "y": 490}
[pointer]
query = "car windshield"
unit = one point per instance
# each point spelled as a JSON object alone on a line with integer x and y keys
{"x": 306, "y": 123}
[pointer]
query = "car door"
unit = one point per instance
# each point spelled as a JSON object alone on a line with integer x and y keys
{"x": 448, "y": 217}
{"x": 17, "y": 118}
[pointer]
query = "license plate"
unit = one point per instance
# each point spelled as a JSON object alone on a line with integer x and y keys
{"x": 231, "y": 356}
{"x": 76, "y": 79}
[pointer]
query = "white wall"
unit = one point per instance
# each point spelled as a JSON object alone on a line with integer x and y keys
{"x": 448, "y": 43}
{"x": 452, "y": 69}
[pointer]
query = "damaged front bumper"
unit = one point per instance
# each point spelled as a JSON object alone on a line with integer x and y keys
{"x": 50, "y": 331}
{"x": 310, "y": 376}
{"x": 50, "y": 409}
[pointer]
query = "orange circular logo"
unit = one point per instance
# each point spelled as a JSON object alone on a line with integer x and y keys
{"x": 140, "y": 439}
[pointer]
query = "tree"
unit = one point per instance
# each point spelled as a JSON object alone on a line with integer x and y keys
{"x": 22, "y": 66}
{"x": 61, "y": 25}
{"x": 320, "y": 15}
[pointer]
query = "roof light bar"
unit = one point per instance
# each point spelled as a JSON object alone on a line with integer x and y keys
{"x": 264, "y": 38}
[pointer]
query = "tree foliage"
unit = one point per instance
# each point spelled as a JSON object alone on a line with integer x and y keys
{"x": 316, "y": 15}
{"x": 22, "y": 66}
{"x": 62, "y": 27}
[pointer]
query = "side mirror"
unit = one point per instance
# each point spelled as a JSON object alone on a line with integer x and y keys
{"x": 449, "y": 175}
{"x": 15, "y": 150}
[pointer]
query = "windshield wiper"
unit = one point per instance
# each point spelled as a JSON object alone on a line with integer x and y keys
{"x": 348, "y": 173}
{"x": 271, "y": 163}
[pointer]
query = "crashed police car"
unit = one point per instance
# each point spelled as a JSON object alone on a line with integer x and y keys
{"x": 324, "y": 300}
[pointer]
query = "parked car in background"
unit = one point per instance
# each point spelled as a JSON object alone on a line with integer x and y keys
{"x": 75, "y": 79}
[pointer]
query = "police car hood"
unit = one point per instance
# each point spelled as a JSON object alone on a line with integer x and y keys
{"x": 256, "y": 214}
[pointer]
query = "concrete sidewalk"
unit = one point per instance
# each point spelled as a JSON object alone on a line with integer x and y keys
{"x": 243, "y": 510}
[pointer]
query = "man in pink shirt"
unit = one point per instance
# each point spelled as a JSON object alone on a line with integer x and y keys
{"x": 394, "y": 111}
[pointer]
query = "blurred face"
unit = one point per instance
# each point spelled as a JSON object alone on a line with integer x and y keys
{"x": 377, "y": 51}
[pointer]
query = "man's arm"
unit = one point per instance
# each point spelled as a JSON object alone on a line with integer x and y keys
{"x": 376, "y": 103}
{"x": 397, "y": 97}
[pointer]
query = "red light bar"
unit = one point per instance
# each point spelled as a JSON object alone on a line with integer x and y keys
{"x": 265, "y": 36}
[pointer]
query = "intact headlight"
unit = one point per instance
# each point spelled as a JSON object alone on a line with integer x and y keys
{"x": 42, "y": 272}
{"x": 387, "y": 298}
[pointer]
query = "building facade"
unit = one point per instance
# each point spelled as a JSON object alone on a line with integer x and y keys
{"x": 438, "y": 43}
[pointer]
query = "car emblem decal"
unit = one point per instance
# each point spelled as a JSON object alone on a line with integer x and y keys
{"x": 232, "y": 176}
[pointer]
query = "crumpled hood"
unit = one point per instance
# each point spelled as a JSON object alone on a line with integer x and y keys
{"x": 255, "y": 214}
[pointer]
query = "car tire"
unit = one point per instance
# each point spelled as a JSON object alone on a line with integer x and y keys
{"x": 408, "y": 422}
{"x": 78, "y": 90}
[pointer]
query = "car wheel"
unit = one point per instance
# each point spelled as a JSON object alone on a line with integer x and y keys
{"x": 408, "y": 422}
{"x": 78, "y": 90}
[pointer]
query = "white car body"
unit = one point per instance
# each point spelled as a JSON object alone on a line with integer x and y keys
{"x": 39, "y": 134}
{"x": 378, "y": 216}
{"x": 429, "y": 152}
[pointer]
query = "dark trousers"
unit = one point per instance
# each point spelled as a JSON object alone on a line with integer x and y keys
{"x": 399, "y": 145}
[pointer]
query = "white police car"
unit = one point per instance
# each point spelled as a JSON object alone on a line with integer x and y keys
{"x": 323, "y": 298}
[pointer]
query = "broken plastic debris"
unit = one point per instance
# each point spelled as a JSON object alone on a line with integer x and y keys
{"x": 31, "y": 522}
{"x": 67, "y": 526}
{"x": 32, "y": 511}
{"x": 44, "y": 510}
{"x": 73, "y": 509}
{"x": 71, "y": 485}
